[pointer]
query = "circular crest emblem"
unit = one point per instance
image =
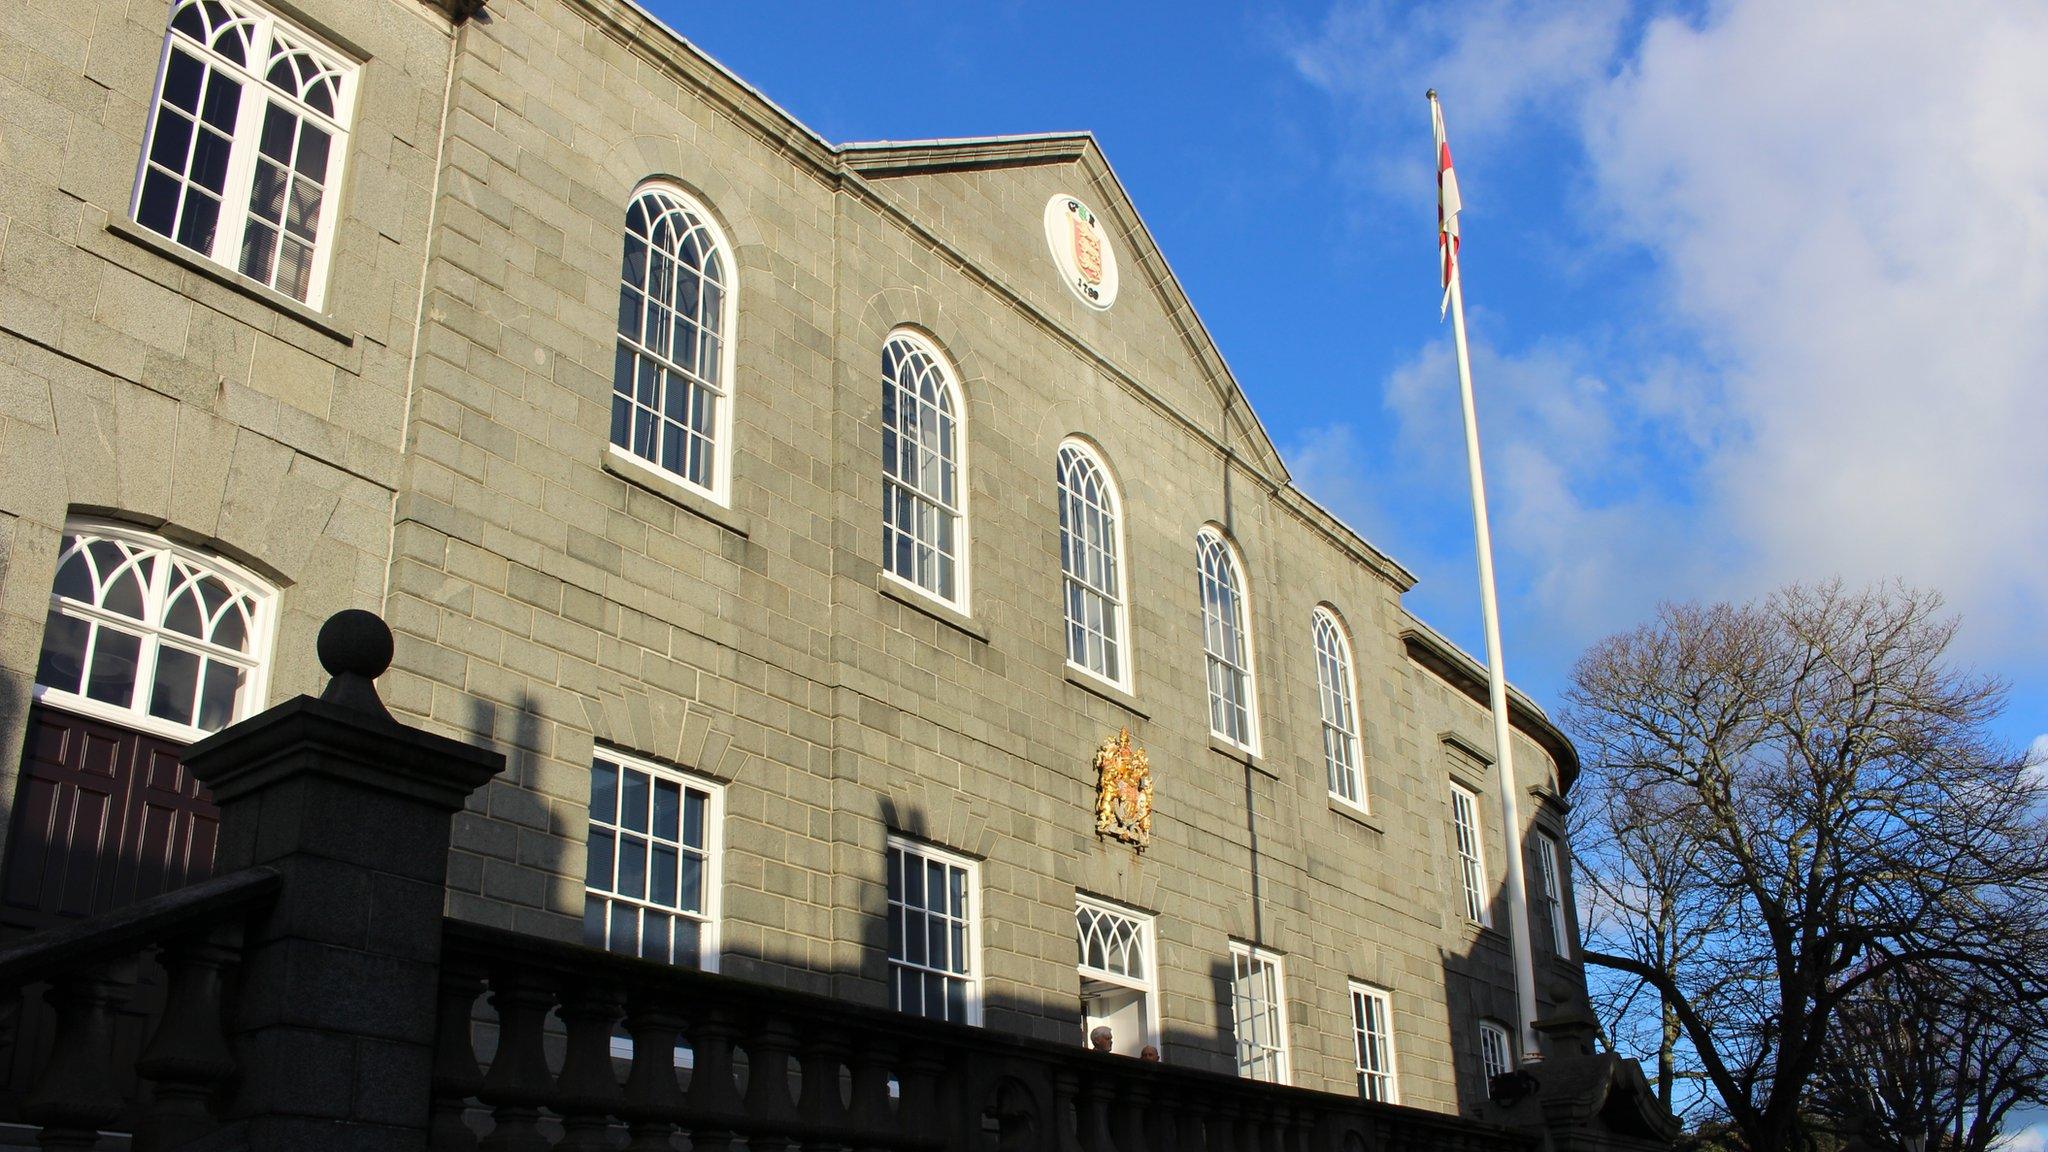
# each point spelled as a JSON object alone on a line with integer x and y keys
{"x": 1081, "y": 251}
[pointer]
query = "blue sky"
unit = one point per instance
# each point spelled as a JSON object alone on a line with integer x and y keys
{"x": 1757, "y": 290}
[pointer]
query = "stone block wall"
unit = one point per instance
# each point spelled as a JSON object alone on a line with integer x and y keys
{"x": 140, "y": 382}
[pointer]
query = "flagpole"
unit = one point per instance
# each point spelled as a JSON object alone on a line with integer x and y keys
{"x": 1496, "y": 687}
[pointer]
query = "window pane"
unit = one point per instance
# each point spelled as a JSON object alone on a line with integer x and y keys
{"x": 196, "y": 227}
{"x": 172, "y": 142}
{"x": 223, "y": 683}
{"x": 667, "y": 797}
{"x": 182, "y": 78}
{"x": 177, "y": 684}
{"x": 597, "y": 869}
{"x": 223, "y": 101}
{"x": 62, "y": 665}
{"x": 661, "y": 877}
{"x": 633, "y": 801}
{"x": 604, "y": 792}
{"x": 690, "y": 893}
{"x": 632, "y": 867}
{"x": 114, "y": 656}
{"x": 593, "y": 921}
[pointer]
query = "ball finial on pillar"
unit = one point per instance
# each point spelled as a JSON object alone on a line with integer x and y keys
{"x": 355, "y": 647}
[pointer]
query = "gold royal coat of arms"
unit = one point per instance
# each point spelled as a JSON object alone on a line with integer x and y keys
{"x": 1123, "y": 802}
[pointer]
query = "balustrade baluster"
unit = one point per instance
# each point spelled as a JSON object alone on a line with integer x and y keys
{"x": 1191, "y": 1120}
{"x": 771, "y": 1114}
{"x": 920, "y": 1110}
{"x": 1066, "y": 1110}
{"x": 187, "y": 1058}
{"x": 1094, "y": 1120}
{"x": 457, "y": 1075}
{"x": 818, "y": 1100}
{"x": 588, "y": 1092}
{"x": 874, "y": 1124}
{"x": 74, "y": 1097}
{"x": 714, "y": 1096}
{"x": 653, "y": 1100}
{"x": 1130, "y": 1114}
{"x": 518, "y": 1083}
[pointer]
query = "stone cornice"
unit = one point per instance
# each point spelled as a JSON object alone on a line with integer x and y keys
{"x": 1434, "y": 651}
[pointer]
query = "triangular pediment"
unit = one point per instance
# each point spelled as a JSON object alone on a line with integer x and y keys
{"x": 985, "y": 200}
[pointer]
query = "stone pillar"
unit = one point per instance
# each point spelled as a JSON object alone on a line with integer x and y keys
{"x": 334, "y": 1025}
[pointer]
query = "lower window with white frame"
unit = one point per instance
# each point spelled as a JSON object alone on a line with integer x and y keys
{"x": 1372, "y": 1024}
{"x": 651, "y": 878}
{"x": 934, "y": 933}
{"x": 1119, "y": 982}
{"x": 1259, "y": 1013}
{"x": 1496, "y": 1050}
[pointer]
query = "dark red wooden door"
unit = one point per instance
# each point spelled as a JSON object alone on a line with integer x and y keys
{"x": 103, "y": 817}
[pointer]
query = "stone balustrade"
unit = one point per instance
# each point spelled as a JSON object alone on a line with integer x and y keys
{"x": 592, "y": 1050}
{"x": 87, "y": 974}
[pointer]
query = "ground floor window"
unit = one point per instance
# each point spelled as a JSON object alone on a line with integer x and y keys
{"x": 1372, "y": 1021}
{"x": 1496, "y": 1054}
{"x": 1118, "y": 979}
{"x": 1259, "y": 1014}
{"x": 934, "y": 933}
{"x": 650, "y": 879}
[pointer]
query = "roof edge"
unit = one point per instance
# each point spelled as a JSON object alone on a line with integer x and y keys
{"x": 1436, "y": 652}
{"x": 882, "y": 158}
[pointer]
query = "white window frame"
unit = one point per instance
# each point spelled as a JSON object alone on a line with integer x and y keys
{"x": 1337, "y": 702}
{"x": 917, "y": 849}
{"x": 1496, "y": 1051}
{"x": 1378, "y": 1043}
{"x": 961, "y": 599}
{"x": 136, "y": 716}
{"x": 1147, "y": 945}
{"x": 257, "y": 92}
{"x": 1246, "y": 962}
{"x": 1550, "y": 870}
{"x": 1468, "y": 841}
{"x": 1117, "y": 630}
{"x": 1208, "y": 541}
{"x": 710, "y": 918}
{"x": 719, "y": 491}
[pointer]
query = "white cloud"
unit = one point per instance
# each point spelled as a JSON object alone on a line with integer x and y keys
{"x": 1852, "y": 205}
{"x": 1846, "y": 211}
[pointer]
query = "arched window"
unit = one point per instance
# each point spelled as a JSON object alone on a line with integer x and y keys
{"x": 671, "y": 380}
{"x": 924, "y": 529}
{"x": 140, "y": 629}
{"x": 1226, "y": 638}
{"x": 1334, "y": 687}
{"x": 1090, "y": 559}
{"x": 246, "y": 143}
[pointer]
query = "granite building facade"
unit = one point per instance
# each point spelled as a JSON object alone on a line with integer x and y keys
{"x": 801, "y": 519}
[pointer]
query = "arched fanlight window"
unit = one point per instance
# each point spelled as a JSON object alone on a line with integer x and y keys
{"x": 1226, "y": 637}
{"x": 671, "y": 378}
{"x": 246, "y": 144}
{"x": 924, "y": 494}
{"x": 1091, "y": 562}
{"x": 142, "y": 630}
{"x": 1335, "y": 689}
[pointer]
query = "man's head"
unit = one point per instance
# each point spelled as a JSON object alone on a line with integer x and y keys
{"x": 1100, "y": 1038}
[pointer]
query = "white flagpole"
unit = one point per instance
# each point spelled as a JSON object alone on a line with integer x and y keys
{"x": 1497, "y": 688}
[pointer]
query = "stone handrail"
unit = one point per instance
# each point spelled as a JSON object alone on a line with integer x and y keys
{"x": 780, "y": 1070}
{"x": 89, "y": 969}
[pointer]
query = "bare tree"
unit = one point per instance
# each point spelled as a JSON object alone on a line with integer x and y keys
{"x": 1935, "y": 1050}
{"x": 1843, "y": 811}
